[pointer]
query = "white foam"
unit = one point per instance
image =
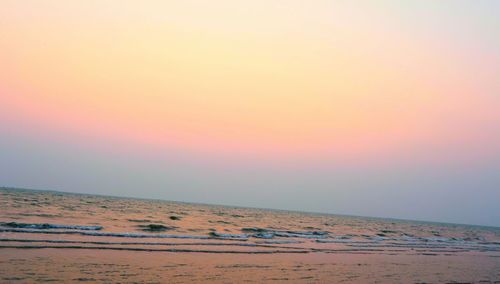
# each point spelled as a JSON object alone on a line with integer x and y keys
{"x": 229, "y": 236}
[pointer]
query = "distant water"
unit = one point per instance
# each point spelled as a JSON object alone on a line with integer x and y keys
{"x": 63, "y": 221}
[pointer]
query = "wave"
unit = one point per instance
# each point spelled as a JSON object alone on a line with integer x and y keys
{"x": 270, "y": 233}
{"x": 366, "y": 244}
{"x": 106, "y": 234}
{"x": 362, "y": 247}
{"x": 229, "y": 236}
{"x": 43, "y": 226}
{"x": 212, "y": 235}
{"x": 416, "y": 243}
{"x": 144, "y": 243}
{"x": 157, "y": 250}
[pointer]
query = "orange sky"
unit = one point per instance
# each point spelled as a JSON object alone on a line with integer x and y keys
{"x": 280, "y": 78}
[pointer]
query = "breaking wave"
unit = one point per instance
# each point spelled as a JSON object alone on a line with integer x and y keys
{"x": 44, "y": 226}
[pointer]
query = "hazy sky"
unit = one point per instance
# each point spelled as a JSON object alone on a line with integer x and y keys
{"x": 378, "y": 108}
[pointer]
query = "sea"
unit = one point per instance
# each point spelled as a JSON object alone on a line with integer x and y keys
{"x": 49, "y": 236}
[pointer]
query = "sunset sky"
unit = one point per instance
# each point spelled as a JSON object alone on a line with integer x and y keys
{"x": 378, "y": 108}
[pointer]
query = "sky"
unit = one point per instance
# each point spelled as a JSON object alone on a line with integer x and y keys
{"x": 373, "y": 108}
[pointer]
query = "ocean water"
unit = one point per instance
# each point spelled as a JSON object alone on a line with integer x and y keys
{"x": 45, "y": 236}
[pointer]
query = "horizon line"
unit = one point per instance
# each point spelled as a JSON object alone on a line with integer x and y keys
{"x": 247, "y": 207}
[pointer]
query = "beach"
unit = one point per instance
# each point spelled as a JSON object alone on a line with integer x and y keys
{"x": 63, "y": 237}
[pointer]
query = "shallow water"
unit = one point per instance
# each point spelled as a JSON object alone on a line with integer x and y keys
{"x": 219, "y": 243}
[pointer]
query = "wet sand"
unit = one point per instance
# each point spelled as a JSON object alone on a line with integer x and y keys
{"x": 42, "y": 265}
